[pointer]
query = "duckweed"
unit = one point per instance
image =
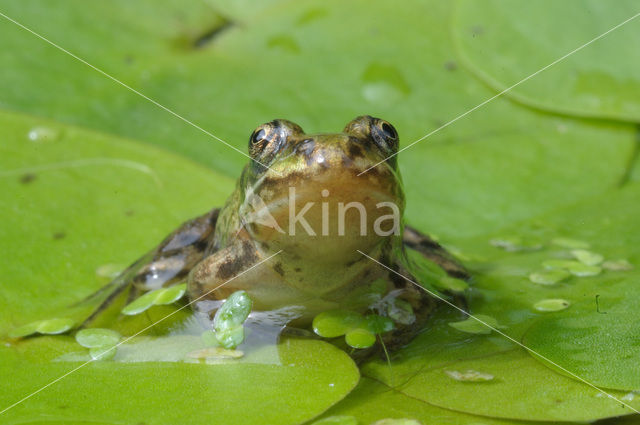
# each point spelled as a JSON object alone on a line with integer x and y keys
{"x": 97, "y": 337}
{"x": 617, "y": 265}
{"x": 161, "y": 296}
{"x": 587, "y": 257}
{"x": 549, "y": 277}
{"x": 229, "y": 319}
{"x": 473, "y": 326}
{"x": 360, "y": 338}
{"x": 103, "y": 353}
{"x": 469, "y": 375}
{"x": 551, "y": 304}
{"x": 583, "y": 270}
{"x": 47, "y": 327}
{"x": 359, "y": 331}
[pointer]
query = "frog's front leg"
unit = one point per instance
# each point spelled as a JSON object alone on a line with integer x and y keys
{"x": 241, "y": 266}
{"x": 167, "y": 264}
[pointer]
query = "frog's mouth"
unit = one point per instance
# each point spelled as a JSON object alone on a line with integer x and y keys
{"x": 329, "y": 216}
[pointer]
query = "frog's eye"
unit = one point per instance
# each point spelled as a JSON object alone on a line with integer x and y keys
{"x": 258, "y": 136}
{"x": 260, "y": 139}
{"x": 385, "y": 135}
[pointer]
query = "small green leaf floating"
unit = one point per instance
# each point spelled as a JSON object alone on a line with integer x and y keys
{"x": 583, "y": 270}
{"x": 97, "y": 337}
{"x": 100, "y": 342}
{"x": 103, "y": 353}
{"x": 46, "y": 327}
{"x": 161, "y": 296}
{"x": 359, "y": 331}
{"x": 587, "y": 257}
{"x": 617, "y": 265}
{"x": 552, "y": 304}
{"x": 337, "y": 420}
{"x": 549, "y": 277}
{"x": 516, "y": 244}
{"x": 228, "y": 321}
{"x": 474, "y": 326}
{"x": 360, "y": 338}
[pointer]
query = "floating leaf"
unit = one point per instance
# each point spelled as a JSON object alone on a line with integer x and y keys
{"x": 549, "y": 277}
{"x": 552, "y": 304}
{"x": 617, "y": 265}
{"x": 106, "y": 352}
{"x": 171, "y": 294}
{"x": 140, "y": 304}
{"x": 335, "y": 323}
{"x": 360, "y": 338}
{"x": 582, "y": 270}
{"x": 97, "y": 337}
{"x": 587, "y": 257}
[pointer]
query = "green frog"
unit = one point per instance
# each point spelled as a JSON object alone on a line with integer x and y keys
{"x": 302, "y": 229}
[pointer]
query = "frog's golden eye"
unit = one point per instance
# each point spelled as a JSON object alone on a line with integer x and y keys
{"x": 258, "y": 136}
{"x": 385, "y": 135}
{"x": 388, "y": 130}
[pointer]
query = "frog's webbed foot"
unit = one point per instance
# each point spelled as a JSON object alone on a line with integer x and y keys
{"x": 166, "y": 265}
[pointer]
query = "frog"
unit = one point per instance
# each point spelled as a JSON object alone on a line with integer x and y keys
{"x": 315, "y": 222}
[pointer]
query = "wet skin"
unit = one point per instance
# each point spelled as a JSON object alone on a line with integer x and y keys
{"x": 287, "y": 204}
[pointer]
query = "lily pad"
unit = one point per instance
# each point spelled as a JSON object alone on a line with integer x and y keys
{"x": 92, "y": 338}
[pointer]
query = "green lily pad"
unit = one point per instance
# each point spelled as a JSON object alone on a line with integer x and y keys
{"x": 490, "y": 35}
{"x": 587, "y": 257}
{"x": 141, "y": 304}
{"x": 335, "y": 323}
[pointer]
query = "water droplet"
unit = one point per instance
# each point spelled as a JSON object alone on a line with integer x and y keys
{"x": 43, "y": 134}
{"x": 552, "y": 304}
{"x": 617, "y": 265}
{"x": 549, "y": 277}
{"x": 570, "y": 243}
{"x": 384, "y": 84}
{"x": 469, "y": 375}
{"x": 583, "y": 270}
{"x": 284, "y": 42}
{"x": 587, "y": 257}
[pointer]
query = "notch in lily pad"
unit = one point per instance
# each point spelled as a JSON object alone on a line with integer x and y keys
{"x": 162, "y": 296}
{"x": 228, "y": 323}
{"x": 46, "y": 327}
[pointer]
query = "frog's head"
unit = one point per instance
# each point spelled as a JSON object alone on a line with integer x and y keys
{"x": 318, "y": 202}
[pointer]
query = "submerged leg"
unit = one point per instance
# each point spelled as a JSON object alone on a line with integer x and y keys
{"x": 433, "y": 251}
{"x": 169, "y": 263}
